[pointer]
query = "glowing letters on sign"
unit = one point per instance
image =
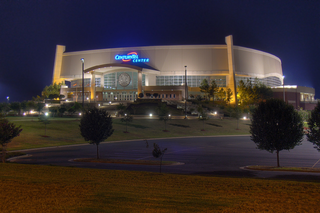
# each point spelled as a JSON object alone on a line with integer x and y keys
{"x": 131, "y": 56}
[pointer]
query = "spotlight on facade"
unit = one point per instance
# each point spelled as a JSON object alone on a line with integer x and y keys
{"x": 244, "y": 118}
{"x": 215, "y": 113}
{"x": 150, "y": 114}
{"x": 98, "y": 104}
{"x": 80, "y": 113}
{"x": 47, "y": 105}
{"x": 24, "y": 113}
{"x": 109, "y": 102}
{"x": 125, "y": 114}
{"x": 169, "y": 115}
{"x": 46, "y": 114}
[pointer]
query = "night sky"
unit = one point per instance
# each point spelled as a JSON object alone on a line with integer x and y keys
{"x": 30, "y": 31}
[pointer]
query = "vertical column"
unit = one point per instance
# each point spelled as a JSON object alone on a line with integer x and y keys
{"x": 232, "y": 78}
{"x": 58, "y": 64}
{"x": 139, "y": 82}
{"x": 93, "y": 86}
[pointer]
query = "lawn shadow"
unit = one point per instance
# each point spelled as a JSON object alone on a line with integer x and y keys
{"x": 214, "y": 124}
{"x": 240, "y": 174}
{"x": 180, "y": 125}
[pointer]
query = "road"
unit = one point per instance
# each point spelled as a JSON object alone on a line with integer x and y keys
{"x": 200, "y": 155}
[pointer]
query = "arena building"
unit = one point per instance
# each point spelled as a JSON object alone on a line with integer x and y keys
{"x": 121, "y": 74}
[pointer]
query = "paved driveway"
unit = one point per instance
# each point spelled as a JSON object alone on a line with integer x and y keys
{"x": 199, "y": 155}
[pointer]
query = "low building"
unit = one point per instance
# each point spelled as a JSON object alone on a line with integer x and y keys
{"x": 298, "y": 96}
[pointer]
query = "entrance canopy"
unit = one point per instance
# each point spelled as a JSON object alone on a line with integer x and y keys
{"x": 111, "y": 66}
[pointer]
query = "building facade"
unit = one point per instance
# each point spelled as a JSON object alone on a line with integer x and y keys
{"x": 168, "y": 72}
{"x": 298, "y": 96}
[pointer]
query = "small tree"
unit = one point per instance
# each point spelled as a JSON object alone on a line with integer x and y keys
{"x": 155, "y": 95}
{"x": 140, "y": 95}
{"x": 276, "y": 126}
{"x": 127, "y": 118}
{"x": 16, "y": 106}
{"x": 229, "y": 94}
{"x": 204, "y": 86}
{"x": 45, "y": 120}
{"x": 236, "y": 113}
{"x": 39, "y": 107}
{"x": 148, "y": 95}
{"x": 96, "y": 126}
{"x": 61, "y": 110}
{"x": 164, "y": 114}
{"x": 158, "y": 153}
{"x": 8, "y": 131}
{"x": 314, "y": 123}
{"x": 203, "y": 116}
{"x": 213, "y": 89}
{"x": 121, "y": 108}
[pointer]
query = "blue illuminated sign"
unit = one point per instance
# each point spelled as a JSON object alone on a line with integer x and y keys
{"x": 131, "y": 56}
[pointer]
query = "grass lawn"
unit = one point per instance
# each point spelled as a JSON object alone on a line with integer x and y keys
{"x": 66, "y": 131}
{"x": 34, "y": 188}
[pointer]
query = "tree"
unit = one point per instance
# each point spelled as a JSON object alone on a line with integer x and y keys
{"x": 45, "y": 120}
{"x": 61, "y": 110}
{"x": 148, "y": 95}
{"x": 158, "y": 153}
{"x": 236, "y": 113}
{"x": 121, "y": 108}
{"x": 213, "y": 89}
{"x": 126, "y": 119}
{"x": 4, "y": 107}
{"x": 205, "y": 87}
{"x": 24, "y": 106}
{"x": 203, "y": 116}
{"x": 16, "y": 106}
{"x": 52, "y": 91}
{"x": 221, "y": 94}
{"x": 155, "y": 95}
{"x": 262, "y": 92}
{"x": 39, "y": 107}
{"x": 164, "y": 114}
{"x": 31, "y": 105}
{"x": 140, "y": 95}
{"x": 8, "y": 131}
{"x": 54, "y": 111}
{"x": 229, "y": 94}
{"x": 53, "y": 96}
{"x": 314, "y": 123}
{"x": 96, "y": 126}
{"x": 276, "y": 126}
{"x": 249, "y": 94}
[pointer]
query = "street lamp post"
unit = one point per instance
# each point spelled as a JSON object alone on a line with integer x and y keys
{"x": 284, "y": 98}
{"x": 185, "y": 92}
{"x": 82, "y": 60}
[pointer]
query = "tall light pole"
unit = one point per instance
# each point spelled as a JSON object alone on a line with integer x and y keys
{"x": 284, "y": 98}
{"x": 82, "y": 60}
{"x": 185, "y": 92}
